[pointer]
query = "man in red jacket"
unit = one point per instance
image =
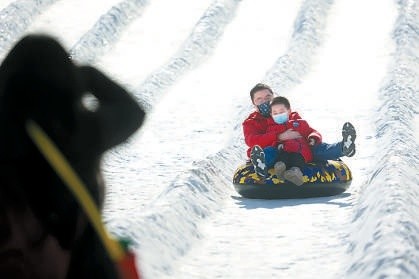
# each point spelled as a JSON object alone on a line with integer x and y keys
{"x": 261, "y": 140}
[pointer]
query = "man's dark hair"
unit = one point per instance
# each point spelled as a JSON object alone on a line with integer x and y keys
{"x": 258, "y": 87}
{"x": 281, "y": 100}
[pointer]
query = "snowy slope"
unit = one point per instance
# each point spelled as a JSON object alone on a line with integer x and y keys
{"x": 191, "y": 64}
{"x": 293, "y": 239}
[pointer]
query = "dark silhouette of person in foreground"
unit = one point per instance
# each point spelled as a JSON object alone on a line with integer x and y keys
{"x": 46, "y": 230}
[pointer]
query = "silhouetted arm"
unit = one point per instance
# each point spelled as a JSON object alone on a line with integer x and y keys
{"x": 118, "y": 115}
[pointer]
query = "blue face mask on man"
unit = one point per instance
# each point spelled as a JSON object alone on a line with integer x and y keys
{"x": 265, "y": 109}
{"x": 280, "y": 118}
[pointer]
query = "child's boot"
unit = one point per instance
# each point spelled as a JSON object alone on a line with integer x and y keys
{"x": 294, "y": 175}
{"x": 257, "y": 156}
{"x": 279, "y": 168}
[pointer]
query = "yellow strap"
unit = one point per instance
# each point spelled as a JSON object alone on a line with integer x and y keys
{"x": 63, "y": 168}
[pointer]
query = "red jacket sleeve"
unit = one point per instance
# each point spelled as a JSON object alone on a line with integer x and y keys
{"x": 316, "y": 135}
{"x": 311, "y": 133}
{"x": 306, "y": 130}
{"x": 255, "y": 131}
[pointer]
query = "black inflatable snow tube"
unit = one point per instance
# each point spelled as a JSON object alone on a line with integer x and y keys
{"x": 320, "y": 179}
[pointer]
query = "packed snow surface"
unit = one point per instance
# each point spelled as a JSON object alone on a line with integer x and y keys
{"x": 191, "y": 65}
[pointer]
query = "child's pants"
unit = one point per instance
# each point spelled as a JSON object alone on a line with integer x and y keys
{"x": 321, "y": 152}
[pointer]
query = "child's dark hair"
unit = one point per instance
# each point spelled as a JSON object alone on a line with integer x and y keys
{"x": 258, "y": 87}
{"x": 281, "y": 100}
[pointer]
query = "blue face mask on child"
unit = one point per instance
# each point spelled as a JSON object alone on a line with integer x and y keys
{"x": 265, "y": 109}
{"x": 280, "y": 118}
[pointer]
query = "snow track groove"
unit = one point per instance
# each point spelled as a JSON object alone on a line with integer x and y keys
{"x": 290, "y": 68}
{"x": 106, "y": 30}
{"x": 199, "y": 45}
{"x": 16, "y": 18}
{"x": 388, "y": 208}
{"x": 175, "y": 215}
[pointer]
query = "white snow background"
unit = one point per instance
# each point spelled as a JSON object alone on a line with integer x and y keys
{"x": 191, "y": 64}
